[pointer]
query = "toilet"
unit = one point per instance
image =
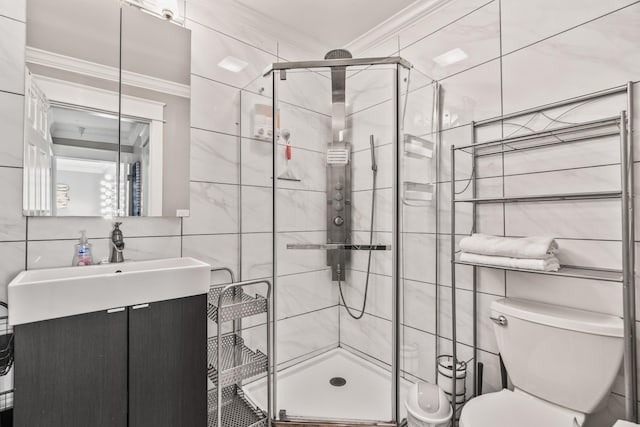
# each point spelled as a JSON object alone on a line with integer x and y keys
{"x": 562, "y": 363}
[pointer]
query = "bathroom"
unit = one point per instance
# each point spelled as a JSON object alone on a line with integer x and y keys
{"x": 359, "y": 299}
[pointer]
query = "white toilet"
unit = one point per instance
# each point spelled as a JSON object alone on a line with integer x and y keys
{"x": 562, "y": 363}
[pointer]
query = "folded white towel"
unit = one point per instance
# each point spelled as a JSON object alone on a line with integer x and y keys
{"x": 550, "y": 263}
{"x": 512, "y": 247}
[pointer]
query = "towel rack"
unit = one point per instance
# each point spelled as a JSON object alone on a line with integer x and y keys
{"x": 620, "y": 125}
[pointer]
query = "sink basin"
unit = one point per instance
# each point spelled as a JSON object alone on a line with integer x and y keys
{"x": 37, "y": 295}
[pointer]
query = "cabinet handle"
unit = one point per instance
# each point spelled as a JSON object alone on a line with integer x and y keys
{"x": 139, "y": 306}
{"x": 115, "y": 310}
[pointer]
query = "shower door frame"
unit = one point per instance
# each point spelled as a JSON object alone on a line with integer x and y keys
{"x": 279, "y": 70}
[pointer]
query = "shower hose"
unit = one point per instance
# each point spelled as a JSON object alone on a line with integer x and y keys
{"x": 351, "y": 312}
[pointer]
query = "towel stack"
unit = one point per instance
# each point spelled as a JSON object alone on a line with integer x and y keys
{"x": 531, "y": 253}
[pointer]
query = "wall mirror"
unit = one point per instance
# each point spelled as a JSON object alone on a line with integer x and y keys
{"x": 107, "y": 110}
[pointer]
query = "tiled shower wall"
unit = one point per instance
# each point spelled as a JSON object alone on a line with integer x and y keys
{"x": 522, "y": 55}
{"x": 370, "y": 95}
{"x": 370, "y": 336}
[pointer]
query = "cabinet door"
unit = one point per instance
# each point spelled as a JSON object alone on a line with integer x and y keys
{"x": 72, "y": 372}
{"x": 168, "y": 363}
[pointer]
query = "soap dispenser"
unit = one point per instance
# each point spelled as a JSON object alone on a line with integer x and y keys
{"x": 82, "y": 253}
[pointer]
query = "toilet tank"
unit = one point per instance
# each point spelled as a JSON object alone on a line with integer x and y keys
{"x": 566, "y": 356}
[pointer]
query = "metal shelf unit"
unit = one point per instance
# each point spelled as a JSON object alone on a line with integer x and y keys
{"x": 574, "y": 134}
{"x": 587, "y": 273}
{"x": 238, "y": 361}
{"x": 236, "y": 410}
{"x": 231, "y": 361}
{"x": 234, "y": 305}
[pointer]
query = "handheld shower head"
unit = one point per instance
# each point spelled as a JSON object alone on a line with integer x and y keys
{"x": 374, "y": 165}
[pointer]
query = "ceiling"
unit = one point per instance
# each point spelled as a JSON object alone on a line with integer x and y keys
{"x": 81, "y": 125}
{"x": 334, "y": 23}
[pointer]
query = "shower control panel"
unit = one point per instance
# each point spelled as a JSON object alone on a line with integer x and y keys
{"x": 338, "y": 213}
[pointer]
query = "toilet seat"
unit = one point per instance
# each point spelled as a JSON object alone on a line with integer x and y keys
{"x": 515, "y": 409}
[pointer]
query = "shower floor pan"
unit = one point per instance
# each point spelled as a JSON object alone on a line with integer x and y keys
{"x": 305, "y": 393}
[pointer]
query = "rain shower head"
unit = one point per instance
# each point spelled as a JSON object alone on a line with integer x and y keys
{"x": 338, "y": 54}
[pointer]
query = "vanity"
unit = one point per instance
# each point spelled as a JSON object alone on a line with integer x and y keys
{"x": 111, "y": 345}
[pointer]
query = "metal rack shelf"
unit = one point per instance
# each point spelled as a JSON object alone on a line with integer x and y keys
{"x": 235, "y": 305}
{"x": 576, "y": 272}
{"x": 545, "y": 138}
{"x": 238, "y": 361}
{"x": 620, "y": 126}
{"x": 236, "y": 410}
{"x": 545, "y": 197}
{"x": 6, "y": 346}
{"x": 231, "y": 361}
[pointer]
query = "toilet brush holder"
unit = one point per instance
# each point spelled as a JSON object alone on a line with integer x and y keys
{"x": 446, "y": 377}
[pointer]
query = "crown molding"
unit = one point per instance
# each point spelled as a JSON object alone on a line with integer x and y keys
{"x": 105, "y": 72}
{"x": 392, "y": 26}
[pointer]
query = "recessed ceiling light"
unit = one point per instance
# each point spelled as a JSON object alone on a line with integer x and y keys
{"x": 233, "y": 64}
{"x": 451, "y": 57}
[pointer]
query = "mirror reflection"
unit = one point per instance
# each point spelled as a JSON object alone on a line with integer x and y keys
{"x": 107, "y": 111}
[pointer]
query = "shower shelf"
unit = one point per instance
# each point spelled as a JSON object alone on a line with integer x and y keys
{"x": 588, "y": 273}
{"x": 234, "y": 306}
{"x": 236, "y": 409}
{"x": 238, "y": 362}
{"x": 418, "y": 148}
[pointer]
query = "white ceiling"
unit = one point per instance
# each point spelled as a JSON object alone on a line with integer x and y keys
{"x": 94, "y": 127}
{"x": 334, "y": 23}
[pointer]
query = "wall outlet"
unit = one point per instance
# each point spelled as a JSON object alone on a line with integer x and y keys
{"x": 181, "y": 213}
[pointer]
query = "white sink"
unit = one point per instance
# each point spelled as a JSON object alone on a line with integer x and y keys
{"x": 38, "y": 295}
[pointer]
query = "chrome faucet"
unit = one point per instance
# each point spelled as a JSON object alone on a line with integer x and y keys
{"x": 117, "y": 244}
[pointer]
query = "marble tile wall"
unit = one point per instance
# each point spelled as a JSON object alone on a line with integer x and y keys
{"x": 516, "y": 57}
{"x": 232, "y": 179}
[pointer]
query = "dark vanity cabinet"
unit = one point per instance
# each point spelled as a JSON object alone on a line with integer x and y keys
{"x": 72, "y": 371}
{"x": 168, "y": 364}
{"x": 138, "y": 366}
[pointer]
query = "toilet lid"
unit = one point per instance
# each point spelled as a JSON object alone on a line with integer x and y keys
{"x": 513, "y": 409}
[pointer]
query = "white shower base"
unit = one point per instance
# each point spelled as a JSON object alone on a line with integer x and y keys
{"x": 304, "y": 390}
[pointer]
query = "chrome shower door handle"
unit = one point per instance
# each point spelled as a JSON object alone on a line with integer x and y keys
{"x": 500, "y": 320}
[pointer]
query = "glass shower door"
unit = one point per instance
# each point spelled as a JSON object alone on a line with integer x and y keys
{"x": 334, "y": 157}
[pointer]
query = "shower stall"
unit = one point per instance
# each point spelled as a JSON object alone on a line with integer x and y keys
{"x": 352, "y": 147}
